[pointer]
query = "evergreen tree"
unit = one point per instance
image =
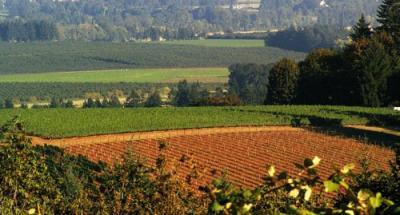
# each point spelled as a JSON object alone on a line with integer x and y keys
{"x": 55, "y": 103}
{"x": 389, "y": 18}
{"x": 373, "y": 69}
{"x": 197, "y": 95}
{"x": 249, "y": 82}
{"x": 154, "y": 100}
{"x": 134, "y": 100}
{"x": 8, "y": 103}
{"x": 361, "y": 30}
{"x": 283, "y": 82}
{"x": 182, "y": 98}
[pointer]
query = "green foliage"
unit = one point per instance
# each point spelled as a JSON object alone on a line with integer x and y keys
{"x": 315, "y": 77}
{"x": 249, "y": 82}
{"x": 25, "y": 182}
{"x": 372, "y": 70}
{"x": 282, "y": 84}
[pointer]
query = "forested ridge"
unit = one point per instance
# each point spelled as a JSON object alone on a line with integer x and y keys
{"x": 123, "y": 20}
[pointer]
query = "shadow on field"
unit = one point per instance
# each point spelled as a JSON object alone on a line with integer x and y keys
{"x": 371, "y": 137}
{"x": 330, "y": 124}
{"x": 391, "y": 121}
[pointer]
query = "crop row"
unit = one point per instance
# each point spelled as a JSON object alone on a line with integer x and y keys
{"x": 245, "y": 156}
{"x": 78, "y": 56}
{"x": 85, "y": 122}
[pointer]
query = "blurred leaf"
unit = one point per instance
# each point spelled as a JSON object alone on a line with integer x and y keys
{"x": 330, "y": 186}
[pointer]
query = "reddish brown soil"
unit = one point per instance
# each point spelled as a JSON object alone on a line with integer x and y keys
{"x": 245, "y": 155}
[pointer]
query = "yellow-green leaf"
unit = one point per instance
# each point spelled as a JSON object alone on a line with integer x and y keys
{"x": 331, "y": 186}
{"x": 346, "y": 169}
{"x": 271, "y": 171}
{"x": 294, "y": 193}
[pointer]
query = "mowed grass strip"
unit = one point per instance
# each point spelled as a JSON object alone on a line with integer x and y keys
{"x": 85, "y": 122}
{"x": 204, "y": 75}
{"x": 227, "y": 43}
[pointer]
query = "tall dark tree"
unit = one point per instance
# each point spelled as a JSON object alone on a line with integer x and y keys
{"x": 318, "y": 78}
{"x": 8, "y": 103}
{"x": 249, "y": 82}
{"x": 182, "y": 97}
{"x": 373, "y": 68}
{"x": 361, "y": 30}
{"x": 154, "y": 100}
{"x": 55, "y": 103}
{"x": 283, "y": 79}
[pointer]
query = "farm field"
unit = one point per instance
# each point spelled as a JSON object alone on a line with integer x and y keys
{"x": 84, "y": 122}
{"x": 39, "y": 57}
{"x": 232, "y": 43}
{"x": 173, "y": 75}
{"x": 244, "y": 156}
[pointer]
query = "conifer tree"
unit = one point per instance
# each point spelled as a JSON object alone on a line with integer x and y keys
{"x": 373, "y": 69}
{"x": 389, "y": 18}
{"x": 361, "y": 30}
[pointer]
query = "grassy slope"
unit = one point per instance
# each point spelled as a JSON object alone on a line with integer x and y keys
{"x": 79, "y": 56}
{"x": 83, "y": 122}
{"x": 205, "y": 75}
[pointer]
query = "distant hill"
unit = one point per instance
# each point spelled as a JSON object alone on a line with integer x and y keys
{"x": 122, "y": 20}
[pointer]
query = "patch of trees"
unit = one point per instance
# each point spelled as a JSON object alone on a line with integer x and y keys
{"x": 16, "y": 30}
{"x": 365, "y": 72}
{"x": 307, "y": 38}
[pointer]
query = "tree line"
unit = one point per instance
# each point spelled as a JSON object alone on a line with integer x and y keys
{"x": 17, "y": 30}
{"x": 308, "y": 38}
{"x": 126, "y": 20}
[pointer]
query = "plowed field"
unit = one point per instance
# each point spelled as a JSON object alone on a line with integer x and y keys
{"x": 245, "y": 155}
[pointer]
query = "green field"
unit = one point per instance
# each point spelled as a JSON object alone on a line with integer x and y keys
{"x": 82, "y": 122}
{"x": 39, "y": 57}
{"x": 204, "y": 75}
{"x": 220, "y": 43}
